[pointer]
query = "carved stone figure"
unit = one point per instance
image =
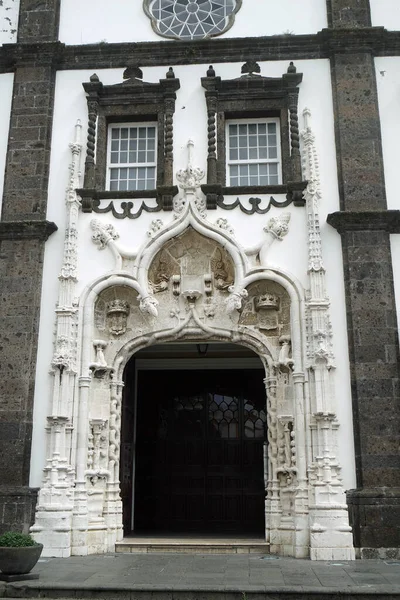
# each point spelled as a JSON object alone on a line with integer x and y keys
{"x": 220, "y": 269}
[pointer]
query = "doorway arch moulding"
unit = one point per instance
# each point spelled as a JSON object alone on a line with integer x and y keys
{"x": 190, "y": 280}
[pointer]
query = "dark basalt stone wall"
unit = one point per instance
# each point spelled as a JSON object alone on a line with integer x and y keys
{"x": 23, "y": 231}
{"x": 364, "y": 225}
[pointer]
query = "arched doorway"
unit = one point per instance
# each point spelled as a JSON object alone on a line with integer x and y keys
{"x": 193, "y": 440}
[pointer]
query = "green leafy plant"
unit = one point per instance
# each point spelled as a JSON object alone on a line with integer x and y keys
{"x": 12, "y": 539}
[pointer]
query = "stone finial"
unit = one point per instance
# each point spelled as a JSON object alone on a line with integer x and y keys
{"x": 133, "y": 73}
{"x": 170, "y": 73}
{"x": 189, "y": 178}
{"x": 291, "y": 68}
{"x": 94, "y": 78}
{"x": 210, "y": 71}
{"x": 251, "y": 67}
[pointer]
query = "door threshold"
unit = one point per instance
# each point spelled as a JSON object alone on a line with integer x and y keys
{"x": 193, "y": 544}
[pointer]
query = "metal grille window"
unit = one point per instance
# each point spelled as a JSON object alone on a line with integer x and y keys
{"x": 132, "y": 157}
{"x": 253, "y": 153}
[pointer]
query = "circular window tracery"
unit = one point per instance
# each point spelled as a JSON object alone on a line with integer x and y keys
{"x": 191, "y": 19}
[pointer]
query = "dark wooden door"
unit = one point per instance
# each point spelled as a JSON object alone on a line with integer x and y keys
{"x": 199, "y": 451}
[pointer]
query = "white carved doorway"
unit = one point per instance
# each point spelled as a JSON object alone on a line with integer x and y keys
{"x": 193, "y": 441}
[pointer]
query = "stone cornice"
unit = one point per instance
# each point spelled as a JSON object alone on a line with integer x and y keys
{"x": 387, "y": 220}
{"x": 323, "y": 44}
{"x": 26, "y": 230}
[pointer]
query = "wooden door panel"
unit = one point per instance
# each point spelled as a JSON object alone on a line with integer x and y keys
{"x": 196, "y": 468}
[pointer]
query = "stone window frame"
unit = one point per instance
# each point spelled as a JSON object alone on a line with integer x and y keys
{"x": 131, "y": 101}
{"x": 248, "y": 97}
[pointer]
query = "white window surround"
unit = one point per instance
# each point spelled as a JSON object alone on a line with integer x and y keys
{"x": 253, "y": 152}
{"x": 132, "y": 156}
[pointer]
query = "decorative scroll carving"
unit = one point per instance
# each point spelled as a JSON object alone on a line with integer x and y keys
{"x": 278, "y": 226}
{"x": 102, "y": 233}
{"x": 155, "y": 227}
{"x": 255, "y": 205}
{"x": 223, "y": 224}
{"x": 126, "y": 208}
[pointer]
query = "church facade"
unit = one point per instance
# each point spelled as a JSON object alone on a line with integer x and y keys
{"x": 200, "y": 268}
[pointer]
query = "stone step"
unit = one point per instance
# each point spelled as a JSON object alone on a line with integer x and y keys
{"x": 192, "y": 546}
{"x": 191, "y": 593}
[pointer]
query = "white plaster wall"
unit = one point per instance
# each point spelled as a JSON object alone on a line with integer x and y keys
{"x": 385, "y": 13}
{"x": 9, "y": 10}
{"x": 93, "y": 21}
{"x": 190, "y": 121}
{"x": 388, "y": 83}
{"x": 6, "y": 90}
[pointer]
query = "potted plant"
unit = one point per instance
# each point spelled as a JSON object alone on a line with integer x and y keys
{"x": 19, "y": 553}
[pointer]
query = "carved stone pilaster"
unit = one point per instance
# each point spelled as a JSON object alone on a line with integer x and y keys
{"x": 328, "y": 504}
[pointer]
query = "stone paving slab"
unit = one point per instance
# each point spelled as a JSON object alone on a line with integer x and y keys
{"x": 204, "y": 577}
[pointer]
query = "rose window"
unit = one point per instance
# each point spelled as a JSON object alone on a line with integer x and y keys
{"x": 191, "y": 19}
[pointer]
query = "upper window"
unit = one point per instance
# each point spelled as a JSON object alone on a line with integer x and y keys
{"x": 253, "y": 153}
{"x": 132, "y": 157}
{"x": 253, "y": 134}
{"x": 129, "y": 152}
{"x": 191, "y": 19}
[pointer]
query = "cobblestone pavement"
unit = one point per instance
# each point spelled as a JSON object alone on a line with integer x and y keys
{"x": 178, "y": 572}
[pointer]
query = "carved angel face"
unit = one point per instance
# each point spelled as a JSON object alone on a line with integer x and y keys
{"x": 191, "y": 19}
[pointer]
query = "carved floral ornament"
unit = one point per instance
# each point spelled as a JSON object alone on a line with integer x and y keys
{"x": 191, "y": 19}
